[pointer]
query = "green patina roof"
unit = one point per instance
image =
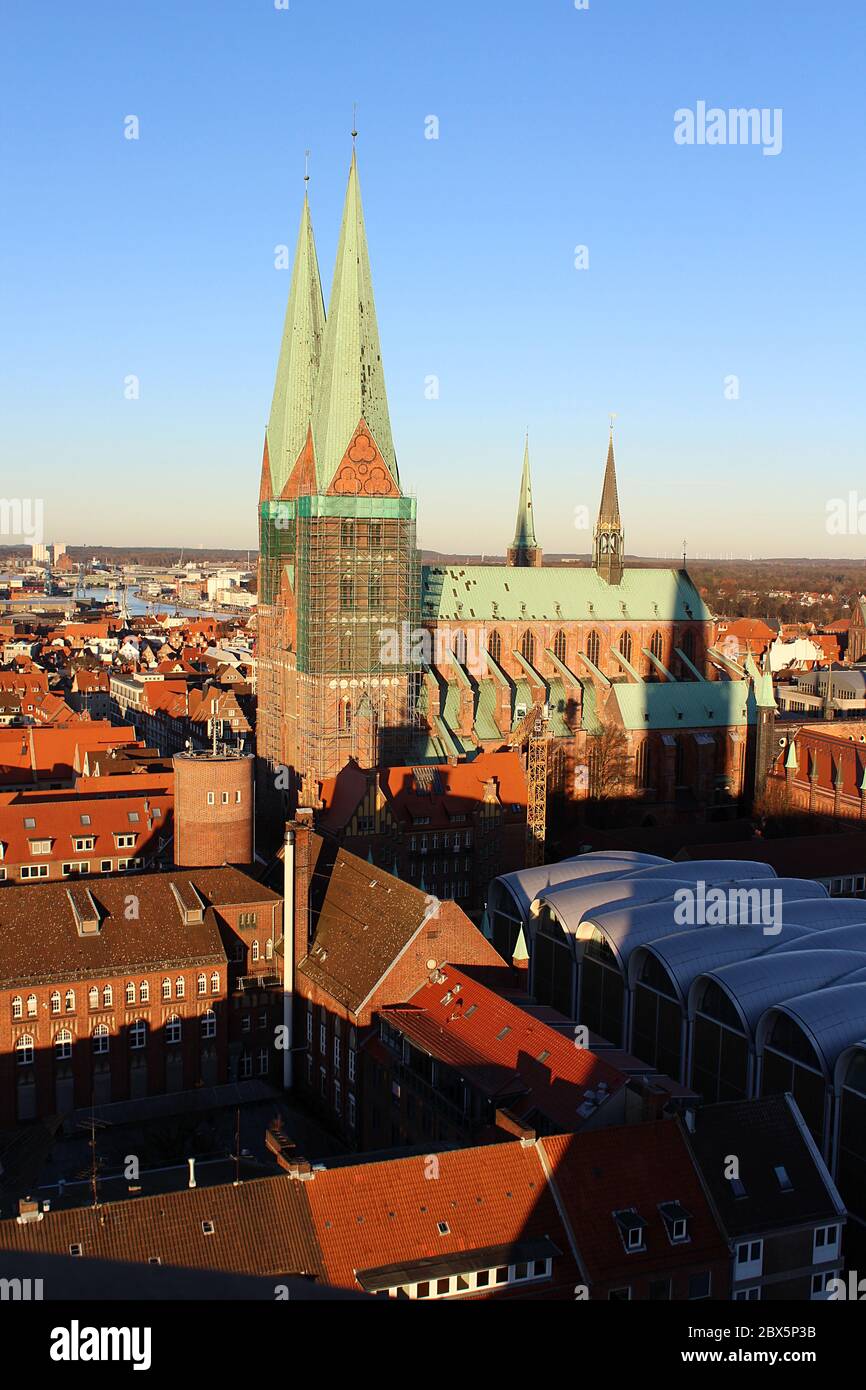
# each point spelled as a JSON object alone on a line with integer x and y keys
{"x": 524, "y": 530}
{"x": 351, "y": 382}
{"x": 298, "y": 362}
{"x": 690, "y": 704}
{"x": 505, "y": 593}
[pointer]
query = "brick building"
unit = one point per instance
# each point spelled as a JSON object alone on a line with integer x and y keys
{"x": 445, "y": 828}
{"x": 127, "y": 987}
{"x": 214, "y": 808}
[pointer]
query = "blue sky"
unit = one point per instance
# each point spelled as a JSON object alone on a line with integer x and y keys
{"x": 155, "y": 258}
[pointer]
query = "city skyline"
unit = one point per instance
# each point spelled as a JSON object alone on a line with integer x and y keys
{"x": 715, "y": 314}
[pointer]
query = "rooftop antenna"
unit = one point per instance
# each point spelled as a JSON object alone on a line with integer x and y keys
{"x": 685, "y": 544}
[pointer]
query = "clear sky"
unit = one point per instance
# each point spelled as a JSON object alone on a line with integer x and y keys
{"x": 155, "y": 257}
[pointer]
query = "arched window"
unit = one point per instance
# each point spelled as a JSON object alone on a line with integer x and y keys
{"x": 494, "y": 646}
{"x": 559, "y": 646}
{"x": 63, "y": 1045}
{"x": 346, "y": 715}
{"x": 687, "y": 643}
{"x": 642, "y": 765}
{"x": 215, "y": 982}
{"x": 347, "y": 591}
{"x": 32, "y": 1006}
{"x": 657, "y": 645}
{"x": 93, "y": 997}
{"x": 166, "y": 989}
{"x": 201, "y": 983}
{"x": 255, "y": 950}
{"x": 208, "y": 1024}
{"x": 24, "y": 1050}
{"x": 457, "y": 645}
{"x": 18, "y": 1007}
{"x": 100, "y": 1039}
{"x": 180, "y": 987}
{"x": 138, "y": 1035}
{"x": 593, "y": 647}
{"x": 269, "y": 948}
{"x": 527, "y": 646}
{"x": 347, "y": 535}
{"x": 70, "y": 1001}
{"x": 346, "y": 647}
{"x": 374, "y": 589}
{"x": 173, "y": 1028}
{"x": 625, "y": 645}
{"x": 144, "y": 992}
{"x": 130, "y": 992}
{"x": 55, "y": 1001}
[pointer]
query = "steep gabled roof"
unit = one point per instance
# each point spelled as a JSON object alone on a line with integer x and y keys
{"x": 298, "y": 364}
{"x": 351, "y": 382}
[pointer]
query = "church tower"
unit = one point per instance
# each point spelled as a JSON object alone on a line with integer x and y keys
{"x": 608, "y": 541}
{"x": 524, "y": 550}
{"x": 338, "y": 563}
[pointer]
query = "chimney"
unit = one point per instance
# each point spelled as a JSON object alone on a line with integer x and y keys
{"x": 192, "y": 1182}
{"x": 28, "y": 1211}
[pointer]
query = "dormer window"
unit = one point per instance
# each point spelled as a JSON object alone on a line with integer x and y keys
{"x": 676, "y": 1220}
{"x": 785, "y": 1184}
{"x": 632, "y": 1229}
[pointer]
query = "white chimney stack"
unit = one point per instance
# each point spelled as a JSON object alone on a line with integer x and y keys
{"x": 288, "y": 952}
{"x": 192, "y": 1182}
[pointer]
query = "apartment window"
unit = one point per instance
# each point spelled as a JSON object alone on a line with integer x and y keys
{"x": 246, "y": 1068}
{"x": 173, "y": 1030}
{"x": 100, "y": 1039}
{"x": 826, "y": 1243}
{"x": 750, "y": 1258}
{"x": 70, "y": 1001}
{"x": 32, "y": 1006}
{"x": 246, "y": 1024}
{"x": 105, "y": 866}
{"x": 210, "y": 798}
{"x": 24, "y": 1050}
{"x": 820, "y": 1282}
{"x": 237, "y": 798}
{"x": 63, "y": 1045}
{"x": 350, "y": 1102}
{"x": 17, "y": 1007}
{"x": 323, "y": 1037}
{"x": 34, "y": 870}
{"x": 40, "y": 846}
{"x": 247, "y": 919}
{"x": 323, "y": 1082}
{"x": 269, "y": 949}
{"x": 214, "y": 983}
{"x": 180, "y": 988}
{"x": 208, "y": 1024}
{"x": 201, "y": 984}
{"x": 225, "y": 801}
{"x": 338, "y": 1098}
{"x": 83, "y": 843}
{"x": 93, "y": 997}
{"x": 263, "y": 1019}
{"x": 264, "y": 1061}
{"x": 124, "y": 842}
{"x": 130, "y": 993}
{"x": 751, "y": 1295}
{"x": 166, "y": 989}
{"x": 352, "y": 1063}
{"x": 336, "y": 1054}
{"x": 699, "y": 1285}
{"x": 138, "y": 1035}
{"x": 73, "y": 870}
{"x": 255, "y": 951}
{"x": 144, "y": 992}
{"x": 107, "y": 996}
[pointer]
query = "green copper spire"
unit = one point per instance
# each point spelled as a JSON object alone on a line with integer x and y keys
{"x": 524, "y": 531}
{"x": 608, "y": 539}
{"x": 792, "y": 761}
{"x": 351, "y": 384}
{"x": 524, "y": 550}
{"x": 298, "y": 363}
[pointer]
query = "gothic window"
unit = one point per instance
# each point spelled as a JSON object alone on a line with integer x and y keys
{"x": 345, "y": 716}
{"x": 559, "y": 646}
{"x": 347, "y": 537}
{"x": 656, "y": 645}
{"x": 527, "y": 646}
{"x": 346, "y": 645}
{"x": 494, "y": 646}
{"x": 375, "y": 589}
{"x": 347, "y": 591}
{"x": 593, "y": 647}
{"x": 457, "y": 644}
{"x": 625, "y": 645}
{"x": 687, "y": 644}
{"x": 642, "y": 765}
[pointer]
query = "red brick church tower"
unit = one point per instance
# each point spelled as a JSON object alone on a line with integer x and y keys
{"x": 338, "y": 563}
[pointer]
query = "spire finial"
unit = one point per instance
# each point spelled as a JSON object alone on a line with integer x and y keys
{"x": 612, "y": 418}
{"x": 354, "y": 121}
{"x": 306, "y": 168}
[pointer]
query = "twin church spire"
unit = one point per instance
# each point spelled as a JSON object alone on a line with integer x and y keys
{"x": 607, "y": 546}
{"x": 330, "y": 405}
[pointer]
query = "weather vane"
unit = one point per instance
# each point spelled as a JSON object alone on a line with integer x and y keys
{"x": 612, "y": 418}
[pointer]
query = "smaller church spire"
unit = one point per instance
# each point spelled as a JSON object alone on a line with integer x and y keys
{"x": 608, "y": 539}
{"x": 524, "y": 550}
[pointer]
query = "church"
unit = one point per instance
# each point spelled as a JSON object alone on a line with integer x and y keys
{"x": 639, "y": 706}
